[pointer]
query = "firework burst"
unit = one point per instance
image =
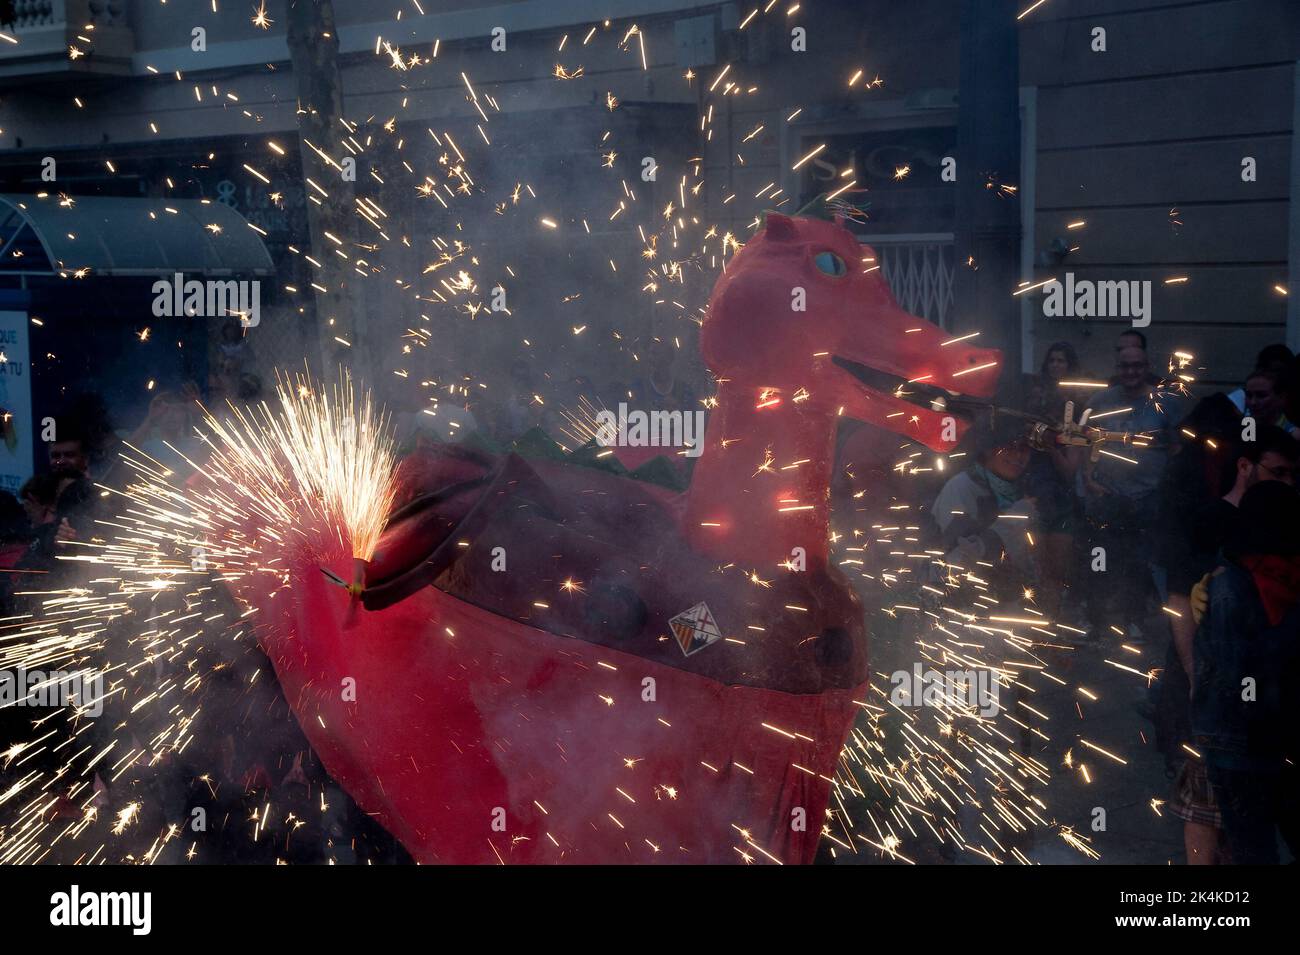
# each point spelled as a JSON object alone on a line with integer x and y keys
{"x": 321, "y": 454}
{"x": 314, "y": 467}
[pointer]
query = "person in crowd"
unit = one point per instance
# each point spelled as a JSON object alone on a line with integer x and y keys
{"x": 1121, "y": 500}
{"x": 1132, "y": 338}
{"x": 1191, "y": 551}
{"x": 234, "y": 348}
{"x": 69, "y": 456}
{"x": 1276, "y": 358}
{"x": 520, "y": 411}
{"x": 1050, "y": 478}
{"x": 39, "y": 497}
{"x": 982, "y": 513}
{"x": 15, "y": 534}
{"x": 233, "y": 363}
{"x": 1203, "y": 459}
{"x": 1246, "y": 659}
{"x": 1047, "y": 397}
{"x": 1203, "y": 464}
{"x": 87, "y": 418}
{"x": 661, "y": 387}
{"x": 169, "y": 421}
{"x": 1266, "y": 399}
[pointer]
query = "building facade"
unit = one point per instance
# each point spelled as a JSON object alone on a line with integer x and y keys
{"x": 1161, "y": 149}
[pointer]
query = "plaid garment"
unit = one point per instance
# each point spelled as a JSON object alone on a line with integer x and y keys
{"x": 1193, "y": 796}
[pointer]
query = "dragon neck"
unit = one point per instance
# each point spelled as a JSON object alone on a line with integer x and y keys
{"x": 761, "y": 487}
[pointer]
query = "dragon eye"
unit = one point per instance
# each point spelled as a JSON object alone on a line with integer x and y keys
{"x": 830, "y": 264}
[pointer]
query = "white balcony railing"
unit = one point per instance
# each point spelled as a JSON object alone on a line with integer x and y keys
{"x": 72, "y": 37}
{"x": 919, "y": 270}
{"x": 44, "y": 13}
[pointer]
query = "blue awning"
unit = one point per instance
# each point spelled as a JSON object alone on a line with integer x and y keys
{"x": 54, "y": 234}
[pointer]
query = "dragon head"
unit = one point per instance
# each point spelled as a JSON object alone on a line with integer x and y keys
{"x": 804, "y": 310}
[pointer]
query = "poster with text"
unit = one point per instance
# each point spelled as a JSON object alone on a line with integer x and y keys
{"x": 15, "y": 402}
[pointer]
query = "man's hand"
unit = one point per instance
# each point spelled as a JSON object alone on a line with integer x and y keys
{"x": 66, "y": 532}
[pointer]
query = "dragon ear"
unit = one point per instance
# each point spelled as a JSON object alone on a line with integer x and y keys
{"x": 779, "y": 227}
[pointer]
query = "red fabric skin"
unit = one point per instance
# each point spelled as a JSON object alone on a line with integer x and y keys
{"x": 447, "y": 729}
{"x": 459, "y": 712}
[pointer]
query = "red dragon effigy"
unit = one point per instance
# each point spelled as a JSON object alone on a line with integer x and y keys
{"x": 552, "y": 663}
